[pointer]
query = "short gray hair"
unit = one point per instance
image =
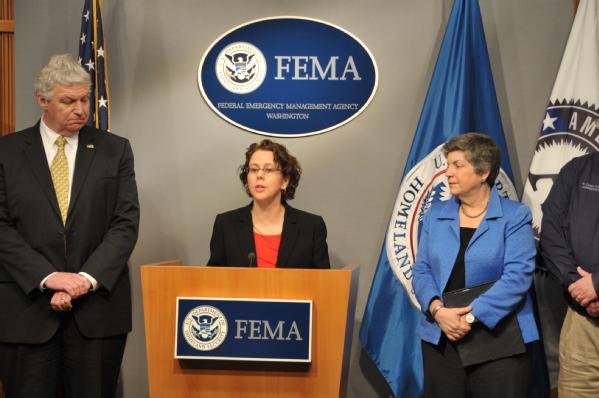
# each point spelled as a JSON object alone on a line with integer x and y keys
{"x": 480, "y": 150}
{"x": 62, "y": 69}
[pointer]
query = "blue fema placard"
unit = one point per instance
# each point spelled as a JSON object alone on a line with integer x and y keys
{"x": 243, "y": 329}
{"x": 288, "y": 76}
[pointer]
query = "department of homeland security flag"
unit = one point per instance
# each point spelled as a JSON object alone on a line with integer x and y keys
{"x": 570, "y": 128}
{"x": 461, "y": 98}
{"x": 92, "y": 56}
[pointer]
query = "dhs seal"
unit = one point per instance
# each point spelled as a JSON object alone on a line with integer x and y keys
{"x": 205, "y": 328}
{"x": 422, "y": 186}
{"x": 241, "y": 68}
{"x": 569, "y": 130}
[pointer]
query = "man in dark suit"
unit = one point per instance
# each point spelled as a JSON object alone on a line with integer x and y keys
{"x": 69, "y": 217}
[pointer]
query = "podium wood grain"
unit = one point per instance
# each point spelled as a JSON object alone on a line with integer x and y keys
{"x": 333, "y": 293}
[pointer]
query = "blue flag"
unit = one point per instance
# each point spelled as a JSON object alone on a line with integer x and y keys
{"x": 461, "y": 98}
{"x": 92, "y": 56}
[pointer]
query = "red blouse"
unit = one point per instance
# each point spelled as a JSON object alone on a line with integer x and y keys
{"x": 267, "y": 249}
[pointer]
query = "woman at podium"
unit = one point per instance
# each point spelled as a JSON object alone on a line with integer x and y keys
{"x": 268, "y": 233}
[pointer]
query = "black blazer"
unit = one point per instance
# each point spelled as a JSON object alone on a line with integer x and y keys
{"x": 100, "y": 234}
{"x": 303, "y": 240}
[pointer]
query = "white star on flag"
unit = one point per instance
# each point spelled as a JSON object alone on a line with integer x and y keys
{"x": 548, "y": 122}
{"x": 92, "y": 55}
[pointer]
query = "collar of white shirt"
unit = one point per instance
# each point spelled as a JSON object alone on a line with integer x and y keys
{"x": 49, "y": 137}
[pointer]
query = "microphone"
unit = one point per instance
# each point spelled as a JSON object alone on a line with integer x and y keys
{"x": 252, "y": 259}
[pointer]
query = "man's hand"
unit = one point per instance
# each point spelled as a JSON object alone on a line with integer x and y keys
{"x": 582, "y": 290}
{"x": 593, "y": 309}
{"x": 74, "y": 285}
{"x": 61, "y": 301}
{"x": 452, "y": 323}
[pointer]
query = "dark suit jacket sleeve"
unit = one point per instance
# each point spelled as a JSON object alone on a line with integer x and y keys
{"x": 320, "y": 255}
{"x": 555, "y": 248}
{"x": 109, "y": 259}
{"x": 24, "y": 265}
{"x": 217, "y": 245}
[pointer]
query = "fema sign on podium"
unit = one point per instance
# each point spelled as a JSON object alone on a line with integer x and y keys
{"x": 288, "y": 76}
{"x": 243, "y": 329}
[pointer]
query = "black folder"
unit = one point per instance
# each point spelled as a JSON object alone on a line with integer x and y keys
{"x": 482, "y": 344}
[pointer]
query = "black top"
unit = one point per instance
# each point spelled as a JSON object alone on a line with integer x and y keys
{"x": 570, "y": 227}
{"x": 457, "y": 279}
{"x": 303, "y": 240}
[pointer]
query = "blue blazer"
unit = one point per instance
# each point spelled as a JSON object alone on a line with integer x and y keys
{"x": 502, "y": 248}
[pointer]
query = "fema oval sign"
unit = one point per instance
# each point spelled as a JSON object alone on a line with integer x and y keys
{"x": 288, "y": 76}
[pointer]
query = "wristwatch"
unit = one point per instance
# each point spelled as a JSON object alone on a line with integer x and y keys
{"x": 470, "y": 318}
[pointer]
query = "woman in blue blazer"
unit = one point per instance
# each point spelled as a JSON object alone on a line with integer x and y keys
{"x": 473, "y": 238}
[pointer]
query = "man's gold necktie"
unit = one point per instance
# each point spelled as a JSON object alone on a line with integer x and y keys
{"x": 60, "y": 178}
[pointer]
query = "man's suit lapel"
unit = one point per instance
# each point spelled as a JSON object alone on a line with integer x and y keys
{"x": 36, "y": 158}
{"x": 245, "y": 235}
{"x": 288, "y": 237}
{"x": 86, "y": 151}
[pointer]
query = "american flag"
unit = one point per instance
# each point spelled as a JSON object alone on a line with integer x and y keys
{"x": 92, "y": 56}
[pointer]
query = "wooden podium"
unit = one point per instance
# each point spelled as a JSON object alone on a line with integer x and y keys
{"x": 333, "y": 293}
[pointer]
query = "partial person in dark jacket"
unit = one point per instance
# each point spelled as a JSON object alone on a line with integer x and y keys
{"x": 570, "y": 247}
{"x": 269, "y": 233}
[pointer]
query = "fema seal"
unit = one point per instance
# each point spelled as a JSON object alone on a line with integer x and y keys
{"x": 205, "y": 328}
{"x": 422, "y": 186}
{"x": 241, "y": 68}
{"x": 569, "y": 130}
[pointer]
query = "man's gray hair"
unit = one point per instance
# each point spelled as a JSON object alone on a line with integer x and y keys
{"x": 62, "y": 69}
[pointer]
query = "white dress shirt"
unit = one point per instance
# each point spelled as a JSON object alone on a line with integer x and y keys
{"x": 49, "y": 137}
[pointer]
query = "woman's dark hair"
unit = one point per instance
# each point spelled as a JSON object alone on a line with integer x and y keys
{"x": 286, "y": 162}
{"x": 480, "y": 150}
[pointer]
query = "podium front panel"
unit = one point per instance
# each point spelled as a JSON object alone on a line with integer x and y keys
{"x": 332, "y": 293}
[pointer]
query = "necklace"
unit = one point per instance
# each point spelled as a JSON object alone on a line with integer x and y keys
{"x": 474, "y": 215}
{"x": 256, "y": 229}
